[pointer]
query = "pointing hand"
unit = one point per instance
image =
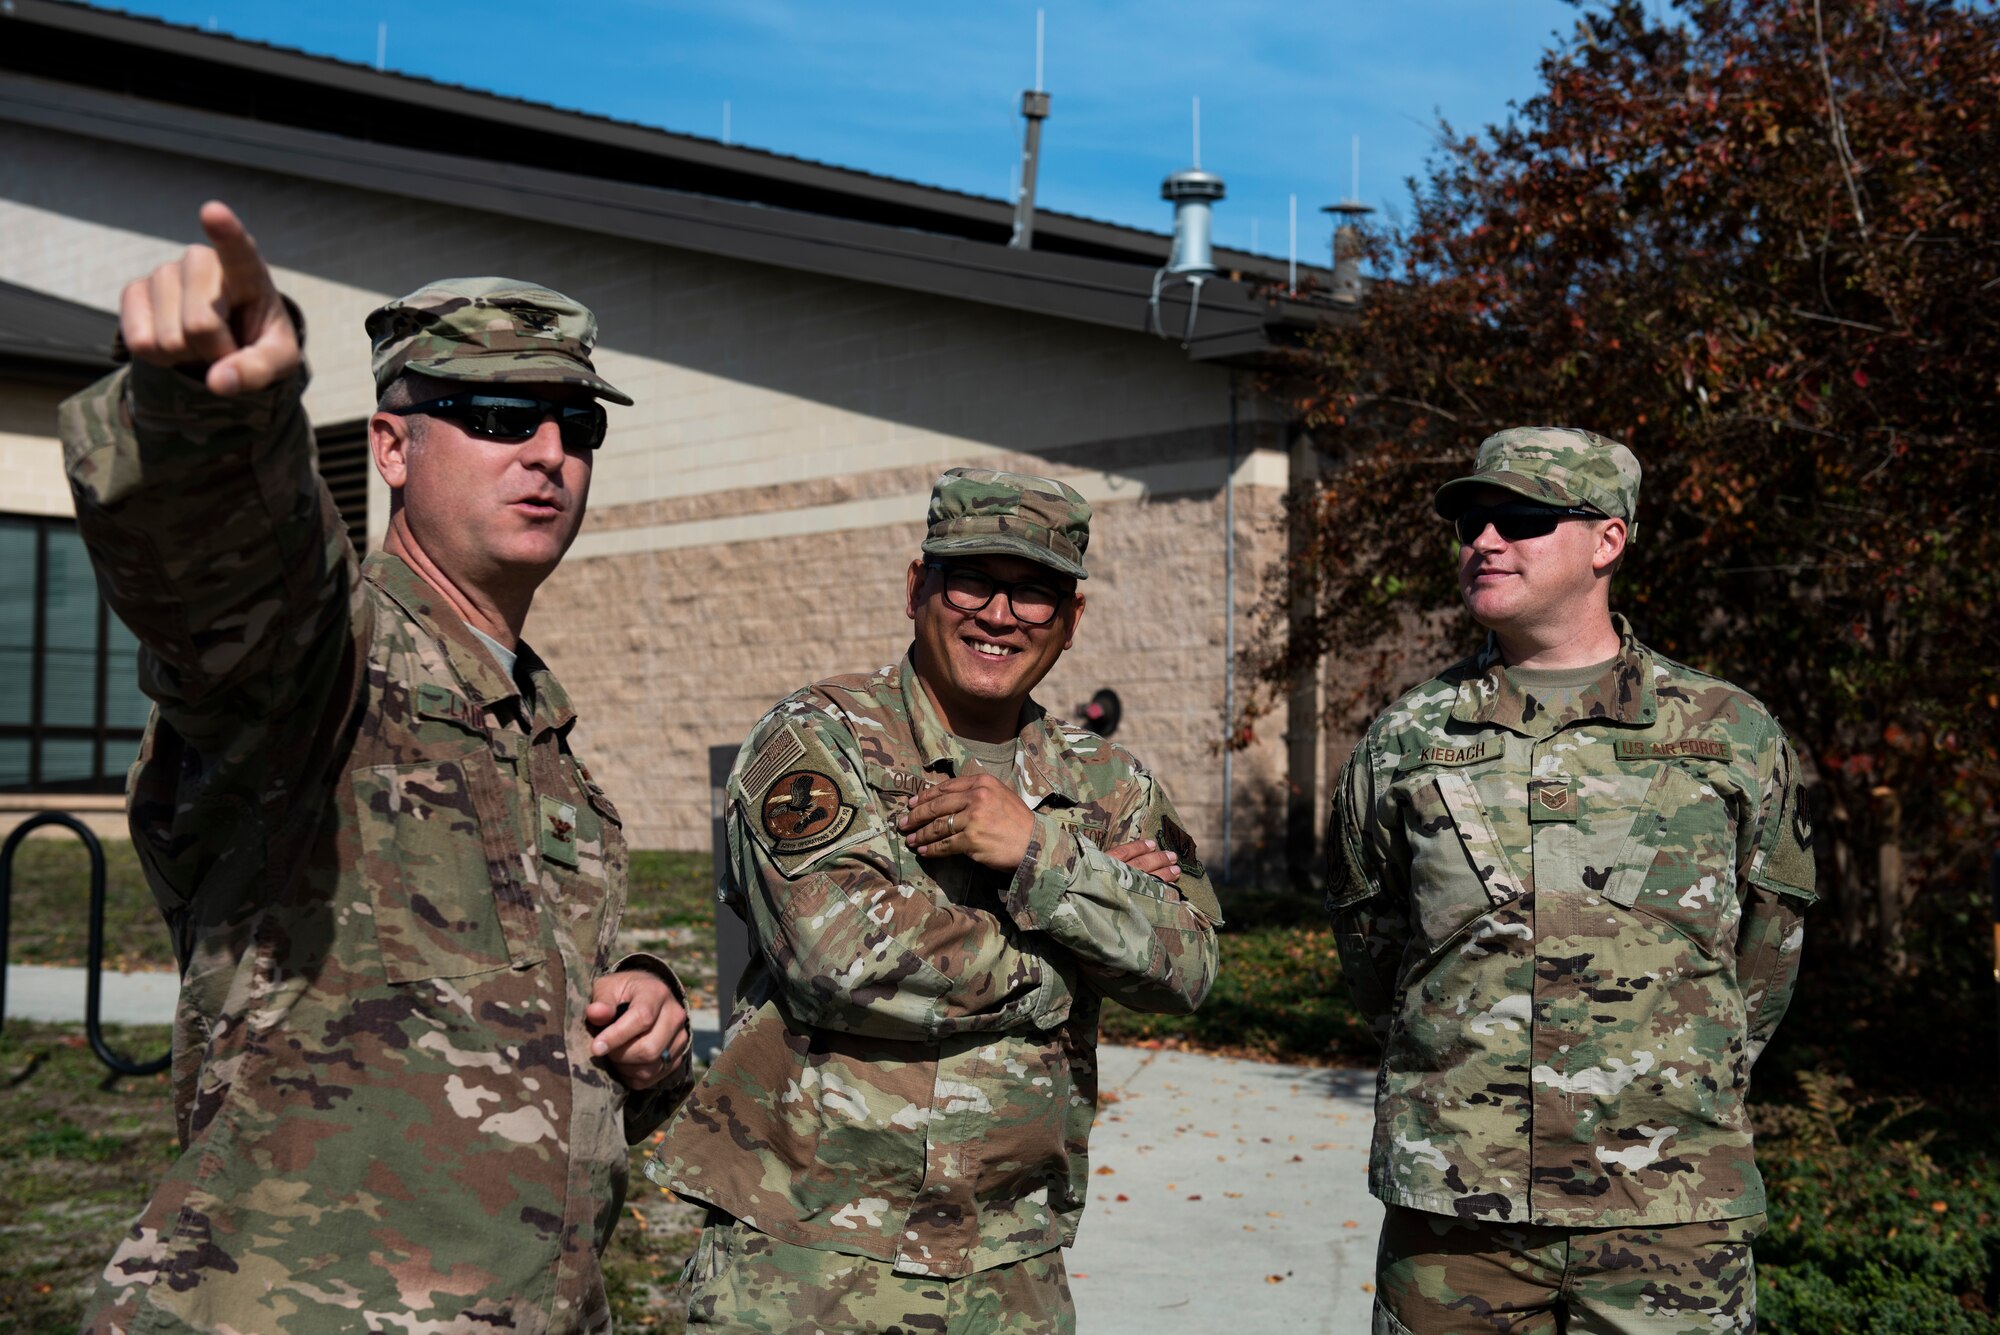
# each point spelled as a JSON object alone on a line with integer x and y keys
{"x": 215, "y": 312}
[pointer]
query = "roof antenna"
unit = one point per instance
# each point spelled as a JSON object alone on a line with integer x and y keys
{"x": 1034, "y": 110}
{"x": 1192, "y": 259}
{"x": 1292, "y": 262}
{"x": 381, "y": 44}
{"x": 725, "y": 122}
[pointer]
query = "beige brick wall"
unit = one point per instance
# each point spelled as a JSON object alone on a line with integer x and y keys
{"x": 681, "y": 649}
{"x": 768, "y": 400}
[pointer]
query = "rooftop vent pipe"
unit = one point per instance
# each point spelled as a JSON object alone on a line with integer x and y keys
{"x": 1345, "y": 287}
{"x": 1193, "y": 193}
{"x": 1034, "y": 110}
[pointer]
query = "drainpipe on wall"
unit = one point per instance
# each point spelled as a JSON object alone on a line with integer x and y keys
{"x": 1229, "y": 634}
{"x": 1302, "y": 705}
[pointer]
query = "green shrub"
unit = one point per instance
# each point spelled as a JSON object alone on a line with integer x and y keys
{"x": 1882, "y": 1221}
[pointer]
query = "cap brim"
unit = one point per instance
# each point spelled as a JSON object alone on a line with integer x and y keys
{"x": 1003, "y": 544}
{"x": 520, "y": 369}
{"x": 1456, "y": 495}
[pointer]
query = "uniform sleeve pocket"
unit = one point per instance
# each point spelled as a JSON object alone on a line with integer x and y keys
{"x": 1348, "y": 883}
{"x": 425, "y": 865}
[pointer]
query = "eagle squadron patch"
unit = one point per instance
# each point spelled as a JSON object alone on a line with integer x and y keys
{"x": 802, "y": 811}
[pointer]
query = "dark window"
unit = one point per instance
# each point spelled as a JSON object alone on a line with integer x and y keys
{"x": 71, "y": 713}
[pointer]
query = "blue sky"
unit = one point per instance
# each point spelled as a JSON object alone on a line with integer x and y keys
{"x": 930, "y": 92}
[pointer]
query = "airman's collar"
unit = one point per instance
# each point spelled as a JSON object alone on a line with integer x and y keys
{"x": 477, "y": 673}
{"x": 1044, "y": 755}
{"x": 1489, "y": 694}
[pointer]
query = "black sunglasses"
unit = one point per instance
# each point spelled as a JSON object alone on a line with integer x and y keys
{"x": 513, "y": 420}
{"x": 970, "y": 590}
{"x": 1516, "y": 521}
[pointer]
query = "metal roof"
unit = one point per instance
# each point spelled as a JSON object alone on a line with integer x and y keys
{"x": 162, "y": 86}
{"x": 46, "y": 337}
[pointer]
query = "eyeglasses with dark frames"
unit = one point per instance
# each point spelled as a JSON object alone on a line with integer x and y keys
{"x": 970, "y": 589}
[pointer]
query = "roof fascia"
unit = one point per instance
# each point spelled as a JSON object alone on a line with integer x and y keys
{"x": 1071, "y": 287}
{"x": 173, "y": 40}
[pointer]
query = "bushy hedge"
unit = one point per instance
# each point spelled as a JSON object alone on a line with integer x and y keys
{"x": 1883, "y": 1220}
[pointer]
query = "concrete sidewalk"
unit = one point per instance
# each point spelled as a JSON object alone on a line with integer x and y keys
{"x": 45, "y": 992}
{"x": 1224, "y": 1194}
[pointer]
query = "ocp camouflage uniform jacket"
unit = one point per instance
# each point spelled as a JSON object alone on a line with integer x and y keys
{"x": 1575, "y": 931}
{"x": 389, "y": 892}
{"x": 911, "y": 1068}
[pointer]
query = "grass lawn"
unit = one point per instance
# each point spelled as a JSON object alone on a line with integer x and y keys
{"x": 51, "y": 907}
{"x": 1278, "y": 997}
{"x": 79, "y": 1155}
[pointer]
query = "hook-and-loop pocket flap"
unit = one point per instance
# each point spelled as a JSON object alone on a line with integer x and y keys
{"x": 1476, "y": 832}
{"x": 1643, "y": 842}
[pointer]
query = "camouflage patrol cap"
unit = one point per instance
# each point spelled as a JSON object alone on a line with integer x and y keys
{"x": 488, "y": 330}
{"x": 1555, "y": 465}
{"x": 977, "y": 511}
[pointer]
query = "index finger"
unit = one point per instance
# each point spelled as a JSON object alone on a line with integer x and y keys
{"x": 244, "y": 273}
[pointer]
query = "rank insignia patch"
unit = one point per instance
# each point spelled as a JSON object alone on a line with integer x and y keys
{"x": 802, "y": 810}
{"x": 558, "y": 833}
{"x": 1551, "y": 800}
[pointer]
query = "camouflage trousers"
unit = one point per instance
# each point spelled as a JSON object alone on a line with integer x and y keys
{"x": 740, "y": 1280}
{"x": 1437, "y": 1275}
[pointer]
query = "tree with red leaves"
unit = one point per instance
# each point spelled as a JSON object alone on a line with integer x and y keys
{"x": 1759, "y": 241}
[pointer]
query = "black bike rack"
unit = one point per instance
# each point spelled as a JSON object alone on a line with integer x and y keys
{"x": 93, "y": 994}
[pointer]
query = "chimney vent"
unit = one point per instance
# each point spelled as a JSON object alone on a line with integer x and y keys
{"x": 1193, "y": 193}
{"x": 1346, "y": 286}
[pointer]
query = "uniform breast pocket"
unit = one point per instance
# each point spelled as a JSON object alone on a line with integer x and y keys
{"x": 1459, "y": 867}
{"x": 424, "y": 858}
{"x": 1680, "y": 861}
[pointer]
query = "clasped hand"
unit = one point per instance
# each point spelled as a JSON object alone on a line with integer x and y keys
{"x": 640, "y": 1027}
{"x": 977, "y": 816}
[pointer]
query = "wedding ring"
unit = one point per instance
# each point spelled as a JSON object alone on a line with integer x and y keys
{"x": 951, "y": 822}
